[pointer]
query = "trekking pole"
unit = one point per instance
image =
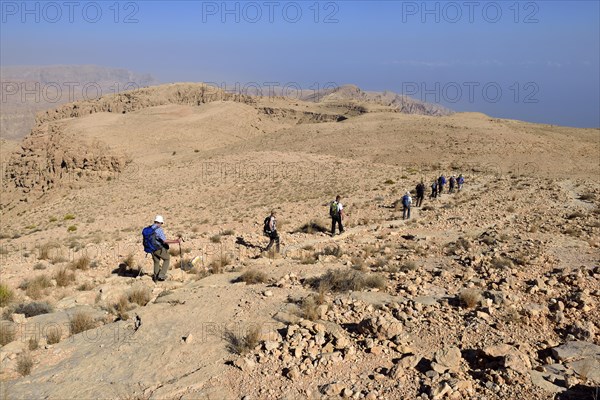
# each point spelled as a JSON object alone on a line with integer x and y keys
{"x": 180, "y": 253}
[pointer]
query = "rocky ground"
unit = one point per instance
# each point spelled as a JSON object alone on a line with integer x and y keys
{"x": 488, "y": 293}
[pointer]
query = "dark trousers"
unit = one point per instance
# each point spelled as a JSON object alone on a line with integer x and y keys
{"x": 419, "y": 200}
{"x": 336, "y": 219}
{"x": 434, "y": 193}
{"x": 440, "y": 188}
{"x": 405, "y": 212}
{"x": 274, "y": 236}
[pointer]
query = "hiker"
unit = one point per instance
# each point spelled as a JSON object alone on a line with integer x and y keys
{"x": 270, "y": 230}
{"x": 336, "y": 212}
{"x": 406, "y": 203}
{"x": 434, "y": 189}
{"x": 156, "y": 243}
{"x": 460, "y": 181}
{"x": 441, "y": 183}
{"x": 452, "y": 184}
{"x": 420, "y": 193}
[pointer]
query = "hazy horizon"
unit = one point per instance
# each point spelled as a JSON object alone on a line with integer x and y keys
{"x": 532, "y": 61}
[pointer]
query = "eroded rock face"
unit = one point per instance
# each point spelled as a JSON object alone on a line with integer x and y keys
{"x": 49, "y": 158}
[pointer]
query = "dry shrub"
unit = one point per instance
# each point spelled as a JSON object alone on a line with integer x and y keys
{"x": 83, "y": 263}
{"x": 64, "y": 277}
{"x": 46, "y": 248}
{"x": 215, "y": 238}
{"x": 121, "y": 308}
{"x": 139, "y": 295}
{"x": 409, "y": 266}
{"x": 252, "y": 277}
{"x": 308, "y": 308}
{"x": 24, "y": 363}
{"x": 358, "y": 264}
{"x": 129, "y": 261}
{"x": 242, "y": 343}
{"x": 344, "y": 280}
{"x": 218, "y": 265}
{"x": 33, "y": 344}
{"x": 308, "y": 259}
{"x": 572, "y": 232}
{"x": 312, "y": 227}
{"x": 501, "y": 262}
{"x": 35, "y": 287}
{"x": 85, "y": 286}
{"x": 335, "y": 251}
{"x": 81, "y": 322}
{"x": 6, "y": 295}
{"x": 53, "y": 334}
{"x": 32, "y": 309}
{"x": 7, "y": 333}
{"x": 470, "y": 297}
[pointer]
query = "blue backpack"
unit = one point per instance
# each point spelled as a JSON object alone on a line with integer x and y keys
{"x": 149, "y": 239}
{"x": 405, "y": 201}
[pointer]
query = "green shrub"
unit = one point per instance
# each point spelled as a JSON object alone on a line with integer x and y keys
{"x": 6, "y": 295}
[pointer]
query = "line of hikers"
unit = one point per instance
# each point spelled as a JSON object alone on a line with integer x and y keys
{"x": 156, "y": 243}
{"x": 437, "y": 187}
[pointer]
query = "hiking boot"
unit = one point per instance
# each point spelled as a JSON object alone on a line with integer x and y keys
{"x": 161, "y": 279}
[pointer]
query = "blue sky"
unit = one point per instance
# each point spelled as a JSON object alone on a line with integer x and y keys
{"x": 536, "y": 61}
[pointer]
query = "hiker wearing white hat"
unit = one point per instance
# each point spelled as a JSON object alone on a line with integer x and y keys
{"x": 406, "y": 204}
{"x": 162, "y": 251}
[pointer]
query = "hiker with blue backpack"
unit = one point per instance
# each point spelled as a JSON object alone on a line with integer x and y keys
{"x": 460, "y": 181}
{"x": 336, "y": 212}
{"x": 441, "y": 184}
{"x": 156, "y": 243}
{"x": 406, "y": 204}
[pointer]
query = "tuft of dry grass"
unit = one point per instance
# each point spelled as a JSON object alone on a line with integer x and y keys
{"x": 82, "y": 263}
{"x": 33, "y": 344}
{"x": 242, "y": 343}
{"x": 217, "y": 266}
{"x": 470, "y": 297}
{"x": 81, "y": 322}
{"x": 308, "y": 308}
{"x": 409, "y": 266}
{"x": 35, "y": 287}
{"x": 345, "y": 280}
{"x": 121, "y": 308}
{"x": 252, "y": 277}
{"x": 139, "y": 295}
{"x": 53, "y": 334}
{"x": 64, "y": 277}
{"x": 24, "y": 363}
{"x": 215, "y": 238}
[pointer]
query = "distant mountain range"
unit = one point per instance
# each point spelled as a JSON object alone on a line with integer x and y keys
{"x": 26, "y": 90}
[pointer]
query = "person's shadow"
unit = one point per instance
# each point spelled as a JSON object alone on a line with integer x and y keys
{"x": 242, "y": 242}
